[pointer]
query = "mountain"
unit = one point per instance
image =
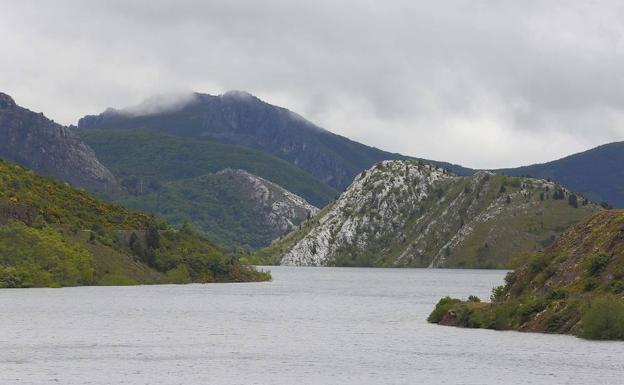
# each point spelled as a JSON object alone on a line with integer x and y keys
{"x": 142, "y": 160}
{"x": 234, "y": 207}
{"x": 36, "y": 142}
{"x": 410, "y": 213}
{"x": 54, "y": 235}
{"x": 575, "y": 287}
{"x": 597, "y": 173}
{"x": 183, "y": 179}
{"x": 240, "y": 118}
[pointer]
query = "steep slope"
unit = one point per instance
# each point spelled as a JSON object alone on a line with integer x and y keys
{"x": 36, "y": 142}
{"x": 54, "y": 235}
{"x": 234, "y": 207}
{"x": 408, "y": 213}
{"x": 142, "y": 160}
{"x": 240, "y": 118}
{"x": 576, "y": 287}
{"x": 597, "y": 173}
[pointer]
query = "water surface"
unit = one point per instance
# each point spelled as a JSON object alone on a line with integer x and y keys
{"x": 308, "y": 326}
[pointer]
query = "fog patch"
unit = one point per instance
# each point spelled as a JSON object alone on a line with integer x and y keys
{"x": 159, "y": 104}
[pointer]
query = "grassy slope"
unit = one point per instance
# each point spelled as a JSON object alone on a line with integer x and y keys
{"x": 55, "y": 235}
{"x": 575, "y": 287}
{"x": 154, "y": 156}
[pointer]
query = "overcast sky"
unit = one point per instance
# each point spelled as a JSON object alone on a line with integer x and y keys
{"x": 481, "y": 83}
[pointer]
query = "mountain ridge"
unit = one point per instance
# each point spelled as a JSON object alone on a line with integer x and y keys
{"x": 31, "y": 139}
{"x": 237, "y": 117}
{"x": 408, "y": 213}
{"x": 596, "y": 172}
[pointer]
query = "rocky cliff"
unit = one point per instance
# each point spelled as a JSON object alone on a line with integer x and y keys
{"x": 31, "y": 139}
{"x": 410, "y": 213}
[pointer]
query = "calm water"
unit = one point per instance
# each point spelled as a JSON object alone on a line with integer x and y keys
{"x": 308, "y": 326}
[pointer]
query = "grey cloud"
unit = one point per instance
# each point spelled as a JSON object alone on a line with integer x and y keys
{"x": 482, "y": 83}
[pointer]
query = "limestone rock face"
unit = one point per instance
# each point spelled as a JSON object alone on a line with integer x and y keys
{"x": 411, "y": 213}
{"x": 36, "y": 142}
{"x": 281, "y": 210}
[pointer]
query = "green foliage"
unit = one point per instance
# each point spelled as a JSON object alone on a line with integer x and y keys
{"x": 498, "y": 294}
{"x": 565, "y": 289}
{"x": 179, "y": 275}
{"x": 117, "y": 280}
{"x": 32, "y": 257}
{"x": 596, "y": 264}
{"x": 76, "y": 239}
{"x": 603, "y": 319}
{"x": 57, "y": 203}
{"x": 442, "y": 307}
{"x": 213, "y": 204}
{"x": 156, "y": 158}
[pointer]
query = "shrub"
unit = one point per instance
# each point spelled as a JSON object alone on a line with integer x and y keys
{"x": 616, "y": 286}
{"x": 559, "y": 293}
{"x": 442, "y": 307}
{"x": 596, "y": 264}
{"x": 498, "y": 294}
{"x": 179, "y": 275}
{"x": 538, "y": 263}
{"x": 473, "y": 298}
{"x": 589, "y": 284}
{"x": 603, "y": 319}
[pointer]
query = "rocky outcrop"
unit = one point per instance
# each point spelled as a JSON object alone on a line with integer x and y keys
{"x": 34, "y": 141}
{"x": 282, "y": 210}
{"x": 408, "y": 213}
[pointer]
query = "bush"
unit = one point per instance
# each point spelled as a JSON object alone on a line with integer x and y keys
{"x": 559, "y": 293}
{"x": 596, "y": 264}
{"x": 498, "y": 294}
{"x": 442, "y": 307}
{"x": 179, "y": 275}
{"x": 603, "y": 319}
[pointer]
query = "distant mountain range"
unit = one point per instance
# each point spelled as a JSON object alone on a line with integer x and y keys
{"x": 597, "y": 173}
{"x": 167, "y": 155}
{"x": 240, "y": 118}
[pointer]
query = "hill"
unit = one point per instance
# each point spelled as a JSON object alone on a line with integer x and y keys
{"x": 235, "y": 208}
{"x": 240, "y": 118}
{"x": 409, "y": 213}
{"x": 54, "y": 235}
{"x": 597, "y": 173}
{"x": 142, "y": 160}
{"x": 31, "y": 139}
{"x": 575, "y": 287}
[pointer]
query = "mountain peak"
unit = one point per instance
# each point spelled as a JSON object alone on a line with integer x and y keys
{"x": 6, "y": 101}
{"x": 238, "y": 94}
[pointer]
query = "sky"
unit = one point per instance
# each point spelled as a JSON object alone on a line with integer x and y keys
{"x": 485, "y": 84}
